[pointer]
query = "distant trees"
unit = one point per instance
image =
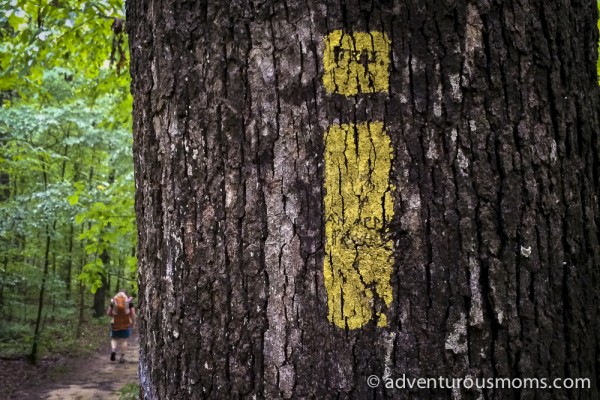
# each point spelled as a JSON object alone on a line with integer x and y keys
{"x": 66, "y": 182}
{"x": 69, "y": 202}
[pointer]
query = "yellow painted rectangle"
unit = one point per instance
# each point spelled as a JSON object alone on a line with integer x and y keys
{"x": 356, "y": 63}
{"x": 358, "y": 205}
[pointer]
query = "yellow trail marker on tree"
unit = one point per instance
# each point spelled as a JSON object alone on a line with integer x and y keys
{"x": 356, "y": 63}
{"x": 358, "y": 205}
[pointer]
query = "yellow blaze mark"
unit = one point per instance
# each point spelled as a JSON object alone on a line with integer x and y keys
{"x": 358, "y": 205}
{"x": 356, "y": 63}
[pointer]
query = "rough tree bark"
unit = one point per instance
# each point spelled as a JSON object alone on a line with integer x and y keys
{"x": 331, "y": 190}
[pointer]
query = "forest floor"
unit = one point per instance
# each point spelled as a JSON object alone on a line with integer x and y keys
{"x": 93, "y": 377}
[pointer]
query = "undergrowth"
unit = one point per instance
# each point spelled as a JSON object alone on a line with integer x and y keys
{"x": 129, "y": 392}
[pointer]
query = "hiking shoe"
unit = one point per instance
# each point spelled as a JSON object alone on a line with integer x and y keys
{"x": 112, "y": 356}
{"x": 122, "y": 359}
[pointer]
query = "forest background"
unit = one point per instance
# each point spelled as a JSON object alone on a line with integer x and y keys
{"x": 67, "y": 223}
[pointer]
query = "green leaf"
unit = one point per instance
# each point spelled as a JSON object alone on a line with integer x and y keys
{"x": 73, "y": 199}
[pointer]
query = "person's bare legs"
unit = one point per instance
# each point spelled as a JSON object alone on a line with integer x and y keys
{"x": 123, "y": 349}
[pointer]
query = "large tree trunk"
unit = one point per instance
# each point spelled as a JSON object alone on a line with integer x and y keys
{"x": 332, "y": 190}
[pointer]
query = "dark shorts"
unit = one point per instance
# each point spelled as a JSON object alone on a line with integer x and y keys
{"x": 120, "y": 334}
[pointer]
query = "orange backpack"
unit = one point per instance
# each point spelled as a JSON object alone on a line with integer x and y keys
{"x": 120, "y": 311}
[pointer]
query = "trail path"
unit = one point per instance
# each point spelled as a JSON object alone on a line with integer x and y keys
{"x": 95, "y": 378}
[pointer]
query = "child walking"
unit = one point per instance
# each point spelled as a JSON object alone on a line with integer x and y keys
{"x": 122, "y": 312}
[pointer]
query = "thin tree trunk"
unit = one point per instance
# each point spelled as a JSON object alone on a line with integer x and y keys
{"x": 69, "y": 263}
{"x": 2, "y": 283}
{"x": 100, "y": 299}
{"x": 81, "y": 291}
{"x": 81, "y": 314}
{"x": 38, "y": 322}
{"x": 4, "y": 195}
{"x": 37, "y": 332}
{"x": 54, "y": 253}
{"x": 120, "y": 274}
{"x": 4, "y": 186}
{"x": 101, "y": 294}
{"x": 25, "y": 301}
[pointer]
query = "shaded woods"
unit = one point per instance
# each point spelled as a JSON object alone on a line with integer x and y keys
{"x": 67, "y": 225}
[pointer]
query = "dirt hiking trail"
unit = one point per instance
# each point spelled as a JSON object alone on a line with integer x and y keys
{"x": 93, "y": 378}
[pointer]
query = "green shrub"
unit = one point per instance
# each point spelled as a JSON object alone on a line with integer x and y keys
{"x": 130, "y": 391}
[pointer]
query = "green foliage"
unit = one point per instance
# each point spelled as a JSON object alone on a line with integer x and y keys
{"x": 15, "y": 339}
{"x": 66, "y": 171}
{"x": 70, "y": 178}
{"x": 69, "y": 166}
{"x": 81, "y": 39}
{"x": 130, "y": 391}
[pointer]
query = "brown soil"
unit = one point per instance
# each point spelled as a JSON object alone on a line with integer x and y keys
{"x": 92, "y": 378}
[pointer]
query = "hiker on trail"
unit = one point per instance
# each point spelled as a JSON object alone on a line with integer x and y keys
{"x": 122, "y": 312}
